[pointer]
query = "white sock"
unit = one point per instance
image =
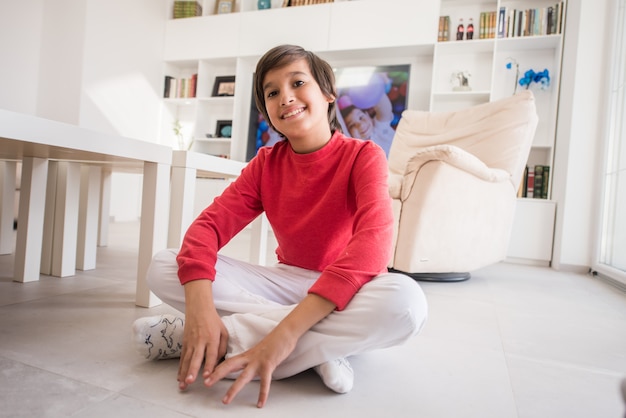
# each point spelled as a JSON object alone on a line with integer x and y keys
{"x": 337, "y": 375}
{"x": 158, "y": 337}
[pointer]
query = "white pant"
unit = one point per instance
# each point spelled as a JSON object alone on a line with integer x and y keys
{"x": 253, "y": 299}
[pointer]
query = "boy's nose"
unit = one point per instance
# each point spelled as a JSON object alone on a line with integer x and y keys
{"x": 286, "y": 98}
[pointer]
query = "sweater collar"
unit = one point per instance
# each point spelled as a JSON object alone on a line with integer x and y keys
{"x": 321, "y": 153}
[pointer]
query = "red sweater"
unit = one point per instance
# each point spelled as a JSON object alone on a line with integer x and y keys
{"x": 330, "y": 211}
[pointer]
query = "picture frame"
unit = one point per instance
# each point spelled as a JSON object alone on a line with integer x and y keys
{"x": 223, "y": 129}
{"x": 377, "y": 93}
{"x": 224, "y": 6}
{"x": 224, "y": 86}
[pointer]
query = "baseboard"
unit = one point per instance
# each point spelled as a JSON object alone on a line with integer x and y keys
{"x": 572, "y": 268}
{"x": 527, "y": 262}
{"x": 607, "y": 277}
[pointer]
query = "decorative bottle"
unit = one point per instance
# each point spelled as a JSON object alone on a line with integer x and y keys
{"x": 460, "y": 30}
{"x": 470, "y": 29}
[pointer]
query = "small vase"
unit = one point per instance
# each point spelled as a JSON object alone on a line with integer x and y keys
{"x": 264, "y": 4}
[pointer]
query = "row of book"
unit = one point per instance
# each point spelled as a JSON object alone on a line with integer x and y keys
{"x": 531, "y": 22}
{"x": 290, "y": 3}
{"x": 507, "y": 23}
{"x": 535, "y": 183}
{"x": 184, "y": 9}
{"x": 179, "y": 88}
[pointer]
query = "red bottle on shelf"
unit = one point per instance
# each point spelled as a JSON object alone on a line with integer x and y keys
{"x": 470, "y": 30}
{"x": 460, "y": 30}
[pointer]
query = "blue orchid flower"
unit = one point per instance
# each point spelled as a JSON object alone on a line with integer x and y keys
{"x": 530, "y": 76}
{"x": 542, "y": 77}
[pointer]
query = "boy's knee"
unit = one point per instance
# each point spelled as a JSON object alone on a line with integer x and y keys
{"x": 406, "y": 303}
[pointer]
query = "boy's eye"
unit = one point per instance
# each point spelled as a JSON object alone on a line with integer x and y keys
{"x": 298, "y": 83}
{"x": 271, "y": 94}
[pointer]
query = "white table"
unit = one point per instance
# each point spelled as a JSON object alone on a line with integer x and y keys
{"x": 36, "y": 142}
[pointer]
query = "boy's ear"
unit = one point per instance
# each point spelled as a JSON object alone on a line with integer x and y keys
{"x": 331, "y": 98}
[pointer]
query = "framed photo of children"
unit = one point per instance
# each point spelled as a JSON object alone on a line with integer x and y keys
{"x": 370, "y": 101}
{"x": 224, "y": 86}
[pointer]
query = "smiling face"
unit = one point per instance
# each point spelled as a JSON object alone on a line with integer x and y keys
{"x": 359, "y": 124}
{"x": 297, "y": 107}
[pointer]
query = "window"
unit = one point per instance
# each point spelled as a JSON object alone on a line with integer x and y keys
{"x": 611, "y": 256}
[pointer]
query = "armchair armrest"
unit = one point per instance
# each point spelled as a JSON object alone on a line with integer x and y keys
{"x": 395, "y": 185}
{"x": 453, "y": 156}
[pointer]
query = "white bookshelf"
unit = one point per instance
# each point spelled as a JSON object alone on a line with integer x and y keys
{"x": 363, "y": 32}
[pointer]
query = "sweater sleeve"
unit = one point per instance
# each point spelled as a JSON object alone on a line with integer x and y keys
{"x": 229, "y": 213}
{"x": 368, "y": 251}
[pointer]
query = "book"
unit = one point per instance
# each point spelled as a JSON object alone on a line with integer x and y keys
{"x": 521, "y": 190}
{"x": 482, "y": 24}
{"x": 501, "y": 22}
{"x": 530, "y": 181}
{"x": 168, "y": 82}
{"x": 173, "y": 88}
{"x": 440, "y": 29}
{"x": 443, "y": 33}
{"x": 546, "y": 182}
{"x": 193, "y": 81}
{"x": 538, "y": 182}
{"x": 183, "y": 9}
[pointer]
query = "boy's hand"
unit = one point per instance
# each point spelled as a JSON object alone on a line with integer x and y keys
{"x": 260, "y": 361}
{"x": 204, "y": 338}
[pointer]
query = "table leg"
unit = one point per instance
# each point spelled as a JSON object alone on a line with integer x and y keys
{"x": 48, "y": 221}
{"x": 66, "y": 219}
{"x": 7, "y": 205}
{"x": 30, "y": 219}
{"x": 89, "y": 206}
{"x": 258, "y": 241}
{"x": 183, "y": 190}
{"x": 153, "y": 228}
{"x": 105, "y": 207}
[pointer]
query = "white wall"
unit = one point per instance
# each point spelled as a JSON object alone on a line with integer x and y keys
{"x": 21, "y": 24}
{"x": 61, "y": 58}
{"x": 94, "y": 63}
{"x": 580, "y": 132}
{"x": 122, "y": 82}
{"x": 122, "y": 70}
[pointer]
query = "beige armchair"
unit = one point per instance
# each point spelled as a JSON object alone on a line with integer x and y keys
{"x": 453, "y": 177}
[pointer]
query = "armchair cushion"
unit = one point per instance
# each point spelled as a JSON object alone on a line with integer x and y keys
{"x": 453, "y": 156}
{"x": 499, "y": 132}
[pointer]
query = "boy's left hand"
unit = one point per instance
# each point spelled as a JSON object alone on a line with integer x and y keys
{"x": 260, "y": 361}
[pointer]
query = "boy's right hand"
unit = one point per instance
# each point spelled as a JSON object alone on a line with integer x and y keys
{"x": 205, "y": 337}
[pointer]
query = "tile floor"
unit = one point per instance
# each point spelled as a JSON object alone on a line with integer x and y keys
{"x": 513, "y": 341}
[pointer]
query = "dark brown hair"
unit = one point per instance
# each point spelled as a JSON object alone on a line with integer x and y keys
{"x": 282, "y": 55}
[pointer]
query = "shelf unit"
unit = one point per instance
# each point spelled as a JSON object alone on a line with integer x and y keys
{"x": 230, "y": 44}
{"x": 486, "y": 60}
